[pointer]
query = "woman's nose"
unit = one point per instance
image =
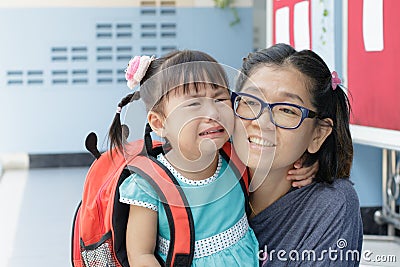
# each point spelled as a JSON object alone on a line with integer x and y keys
{"x": 265, "y": 120}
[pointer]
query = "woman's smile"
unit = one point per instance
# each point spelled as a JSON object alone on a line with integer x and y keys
{"x": 257, "y": 142}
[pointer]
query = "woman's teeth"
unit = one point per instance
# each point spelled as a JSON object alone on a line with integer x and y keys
{"x": 260, "y": 142}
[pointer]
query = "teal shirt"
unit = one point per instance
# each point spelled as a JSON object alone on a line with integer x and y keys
{"x": 216, "y": 206}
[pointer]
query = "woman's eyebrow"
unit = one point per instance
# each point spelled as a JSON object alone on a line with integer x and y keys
{"x": 282, "y": 93}
{"x": 293, "y": 96}
{"x": 251, "y": 89}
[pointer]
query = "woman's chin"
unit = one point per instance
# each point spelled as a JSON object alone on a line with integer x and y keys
{"x": 255, "y": 156}
{"x": 262, "y": 161}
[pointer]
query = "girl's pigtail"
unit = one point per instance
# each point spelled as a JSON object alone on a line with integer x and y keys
{"x": 148, "y": 142}
{"x": 115, "y": 133}
{"x": 134, "y": 73}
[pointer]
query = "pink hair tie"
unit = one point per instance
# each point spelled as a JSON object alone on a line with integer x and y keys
{"x": 119, "y": 109}
{"x": 136, "y": 70}
{"x": 335, "y": 80}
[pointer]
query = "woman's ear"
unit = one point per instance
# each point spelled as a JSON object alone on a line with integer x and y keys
{"x": 321, "y": 132}
{"x": 156, "y": 121}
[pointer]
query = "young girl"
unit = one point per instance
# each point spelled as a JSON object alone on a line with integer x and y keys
{"x": 188, "y": 104}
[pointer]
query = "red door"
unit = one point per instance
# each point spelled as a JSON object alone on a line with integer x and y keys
{"x": 373, "y": 62}
{"x": 292, "y": 23}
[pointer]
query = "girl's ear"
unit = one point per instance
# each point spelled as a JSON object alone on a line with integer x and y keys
{"x": 321, "y": 132}
{"x": 156, "y": 121}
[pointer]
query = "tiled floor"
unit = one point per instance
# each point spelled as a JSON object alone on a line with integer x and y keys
{"x": 37, "y": 208}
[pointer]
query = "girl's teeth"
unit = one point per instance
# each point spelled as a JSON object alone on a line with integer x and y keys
{"x": 215, "y": 131}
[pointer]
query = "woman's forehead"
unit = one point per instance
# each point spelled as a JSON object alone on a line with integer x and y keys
{"x": 278, "y": 84}
{"x": 269, "y": 81}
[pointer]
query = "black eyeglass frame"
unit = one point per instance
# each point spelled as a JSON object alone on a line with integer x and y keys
{"x": 305, "y": 112}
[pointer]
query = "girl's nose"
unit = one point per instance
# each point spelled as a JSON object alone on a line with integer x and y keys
{"x": 212, "y": 110}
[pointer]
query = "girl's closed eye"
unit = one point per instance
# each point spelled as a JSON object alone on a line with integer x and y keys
{"x": 222, "y": 99}
{"x": 193, "y": 103}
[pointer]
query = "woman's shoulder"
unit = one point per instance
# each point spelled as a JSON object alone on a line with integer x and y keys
{"x": 340, "y": 187}
{"x": 340, "y": 193}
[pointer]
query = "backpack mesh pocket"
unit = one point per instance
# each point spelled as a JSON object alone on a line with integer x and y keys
{"x": 99, "y": 254}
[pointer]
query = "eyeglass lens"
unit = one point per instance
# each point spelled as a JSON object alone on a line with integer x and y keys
{"x": 286, "y": 116}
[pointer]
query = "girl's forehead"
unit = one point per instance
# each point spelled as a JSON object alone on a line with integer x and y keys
{"x": 200, "y": 89}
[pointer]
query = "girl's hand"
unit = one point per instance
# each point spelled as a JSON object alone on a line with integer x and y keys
{"x": 302, "y": 176}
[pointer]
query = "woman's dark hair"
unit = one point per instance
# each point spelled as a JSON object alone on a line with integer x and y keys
{"x": 181, "y": 70}
{"x": 336, "y": 154}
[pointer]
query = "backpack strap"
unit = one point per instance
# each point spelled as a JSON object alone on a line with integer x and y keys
{"x": 180, "y": 219}
{"x": 240, "y": 170}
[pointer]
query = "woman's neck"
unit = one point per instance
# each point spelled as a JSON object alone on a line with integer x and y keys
{"x": 199, "y": 169}
{"x": 271, "y": 188}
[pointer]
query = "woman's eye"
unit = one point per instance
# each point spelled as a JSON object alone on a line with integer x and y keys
{"x": 249, "y": 102}
{"x": 288, "y": 111}
{"x": 252, "y": 103}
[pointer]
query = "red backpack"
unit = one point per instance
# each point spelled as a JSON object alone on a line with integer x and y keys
{"x": 99, "y": 225}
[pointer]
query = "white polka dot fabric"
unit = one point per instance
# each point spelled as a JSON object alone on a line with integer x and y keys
{"x": 185, "y": 180}
{"x": 139, "y": 203}
{"x": 208, "y": 246}
{"x": 178, "y": 176}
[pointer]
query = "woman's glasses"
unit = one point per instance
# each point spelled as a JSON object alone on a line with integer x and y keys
{"x": 283, "y": 115}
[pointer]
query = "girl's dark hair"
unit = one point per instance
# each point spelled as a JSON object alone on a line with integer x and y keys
{"x": 176, "y": 70}
{"x": 336, "y": 154}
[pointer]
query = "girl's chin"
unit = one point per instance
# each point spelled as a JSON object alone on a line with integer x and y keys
{"x": 211, "y": 146}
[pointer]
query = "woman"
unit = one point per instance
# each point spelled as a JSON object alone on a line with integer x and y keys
{"x": 289, "y": 105}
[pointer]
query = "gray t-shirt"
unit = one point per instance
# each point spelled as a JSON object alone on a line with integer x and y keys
{"x": 317, "y": 225}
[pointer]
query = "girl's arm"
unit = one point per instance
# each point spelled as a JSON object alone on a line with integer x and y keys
{"x": 141, "y": 236}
